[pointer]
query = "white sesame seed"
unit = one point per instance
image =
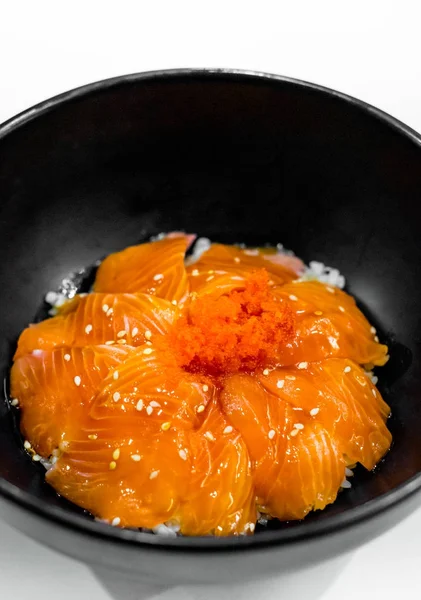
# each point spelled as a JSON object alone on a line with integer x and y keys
{"x": 116, "y": 522}
{"x": 228, "y": 429}
{"x": 148, "y": 334}
{"x": 266, "y": 372}
{"x": 349, "y": 472}
{"x": 115, "y": 375}
{"x": 67, "y": 357}
{"x": 88, "y": 328}
{"x": 36, "y": 458}
{"x": 158, "y": 277}
{"x": 14, "y": 402}
{"x": 330, "y": 289}
{"x": 195, "y": 272}
{"x": 135, "y": 331}
{"x": 346, "y": 484}
{"x": 92, "y": 436}
{"x": 112, "y": 465}
{"x": 318, "y": 313}
{"x": 298, "y": 426}
{"x": 77, "y": 380}
{"x": 376, "y": 339}
{"x": 280, "y": 383}
{"x": 105, "y": 307}
{"x": 154, "y": 474}
{"x": 165, "y": 426}
{"x": 252, "y": 527}
{"x": 373, "y": 330}
{"x": 116, "y": 396}
{"x": 110, "y": 312}
{"x": 303, "y": 365}
{"x": 210, "y": 277}
{"x": 290, "y": 377}
{"x": 314, "y": 411}
{"x": 174, "y": 302}
{"x": 139, "y": 405}
{"x": 296, "y": 408}
{"x": 121, "y": 342}
{"x": 182, "y": 454}
{"x": 149, "y": 410}
{"x": 121, "y": 333}
{"x": 236, "y": 259}
{"x": 27, "y": 445}
{"x": 116, "y": 454}
{"x": 373, "y": 391}
{"x": 147, "y": 351}
{"x": 347, "y": 369}
{"x": 208, "y": 435}
{"x": 294, "y": 432}
{"x": 155, "y": 404}
{"x": 271, "y": 434}
{"x": 205, "y": 388}
{"x": 293, "y": 298}
{"x": 135, "y": 457}
{"x": 200, "y": 408}
{"x": 110, "y": 342}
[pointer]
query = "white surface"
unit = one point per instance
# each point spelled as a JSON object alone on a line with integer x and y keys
{"x": 367, "y": 49}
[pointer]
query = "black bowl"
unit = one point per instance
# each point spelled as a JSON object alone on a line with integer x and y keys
{"x": 237, "y": 157}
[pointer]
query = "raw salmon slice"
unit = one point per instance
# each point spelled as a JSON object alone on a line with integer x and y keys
{"x": 297, "y": 466}
{"x": 55, "y": 387}
{"x": 328, "y": 324}
{"x": 100, "y": 318}
{"x": 340, "y": 396}
{"x": 155, "y": 268}
{"x": 220, "y": 496}
{"x": 222, "y": 269}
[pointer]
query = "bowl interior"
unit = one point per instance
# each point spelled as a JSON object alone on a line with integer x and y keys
{"x": 235, "y": 158}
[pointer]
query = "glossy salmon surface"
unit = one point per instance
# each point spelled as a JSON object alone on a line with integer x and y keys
{"x": 201, "y": 393}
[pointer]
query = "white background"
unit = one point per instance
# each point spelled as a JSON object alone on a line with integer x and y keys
{"x": 369, "y": 49}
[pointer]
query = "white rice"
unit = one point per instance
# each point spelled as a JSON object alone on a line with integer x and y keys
{"x": 318, "y": 271}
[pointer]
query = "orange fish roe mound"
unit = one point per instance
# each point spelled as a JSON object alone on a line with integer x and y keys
{"x": 238, "y": 331}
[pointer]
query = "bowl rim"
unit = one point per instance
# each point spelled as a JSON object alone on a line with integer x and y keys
{"x": 304, "y": 531}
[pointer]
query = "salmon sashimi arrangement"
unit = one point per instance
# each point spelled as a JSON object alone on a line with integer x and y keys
{"x": 199, "y": 395}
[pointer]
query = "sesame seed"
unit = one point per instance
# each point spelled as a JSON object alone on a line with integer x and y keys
{"x": 303, "y": 365}
{"x": 228, "y": 429}
{"x": 63, "y": 446}
{"x": 154, "y": 474}
{"x": 294, "y": 432}
{"x": 148, "y": 334}
{"x": 373, "y": 330}
{"x": 158, "y": 277}
{"x": 318, "y": 313}
{"x": 115, "y": 522}
{"x": 135, "y": 457}
{"x": 376, "y": 338}
{"x": 165, "y": 426}
{"x": 148, "y": 343}
{"x": 373, "y": 391}
{"x": 149, "y": 410}
{"x": 347, "y": 369}
{"x": 271, "y": 434}
{"x": 330, "y": 289}
{"x": 208, "y": 435}
{"x": 105, "y": 307}
{"x": 314, "y": 411}
{"x": 182, "y": 454}
{"x": 252, "y": 527}
{"x": 67, "y": 357}
{"x": 266, "y": 372}
{"x": 195, "y": 272}
{"x": 205, "y": 388}
{"x": 346, "y": 484}
{"x": 110, "y": 342}
{"x": 112, "y": 465}
{"x": 237, "y": 259}
{"x": 36, "y": 458}
{"x": 27, "y": 445}
{"x": 135, "y": 331}
{"x": 293, "y": 298}
{"x": 121, "y": 342}
{"x": 115, "y": 375}
{"x": 116, "y": 454}
{"x": 210, "y": 278}
{"x": 139, "y": 405}
{"x": 92, "y": 436}
{"x": 200, "y": 408}
{"x": 154, "y": 403}
{"x": 14, "y": 402}
{"x": 298, "y": 426}
{"x": 290, "y": 377}
{"x": 109, "y": 312}
{"x": 77, "y": 380}
{"x": 349, "y": 472}
{"x": 116, "y": 396}
{"x": 121, "y": 333}
{"x": 88, "y": 328}
{"x": 147, "y": 351}
{"x": 159, "y": 412}
{"x": 341, "y": 308}
{"x": 174, "y": 302}
{"x": 280, "y": 383}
